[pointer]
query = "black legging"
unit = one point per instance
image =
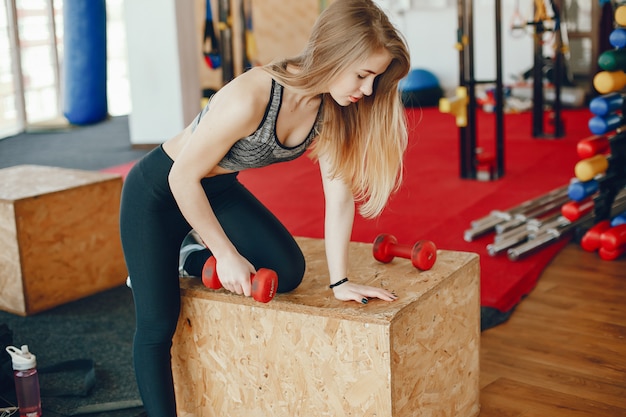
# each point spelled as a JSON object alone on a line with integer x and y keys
{"x": 152, "y": 229}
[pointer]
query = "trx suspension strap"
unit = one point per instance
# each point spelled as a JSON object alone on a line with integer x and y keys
{"x": 210, "y": 46}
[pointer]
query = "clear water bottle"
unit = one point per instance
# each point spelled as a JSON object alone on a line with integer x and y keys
{"x": 26, "y": 381}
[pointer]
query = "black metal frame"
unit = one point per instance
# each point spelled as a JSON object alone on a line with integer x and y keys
{"x": 538, "y": 113}
{"x": 467, "y": 134}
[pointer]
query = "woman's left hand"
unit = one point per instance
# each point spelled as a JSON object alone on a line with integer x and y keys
{"x": 361, "y": 293}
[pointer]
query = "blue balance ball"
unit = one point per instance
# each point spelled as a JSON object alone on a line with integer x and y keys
{"x": 420, "y": 88}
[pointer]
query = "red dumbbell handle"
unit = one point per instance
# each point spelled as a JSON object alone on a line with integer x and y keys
{"x": 264, "y": 282}
{"x": 399, "y": 250}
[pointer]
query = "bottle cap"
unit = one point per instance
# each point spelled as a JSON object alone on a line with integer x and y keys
{"x": 22, "y": 359}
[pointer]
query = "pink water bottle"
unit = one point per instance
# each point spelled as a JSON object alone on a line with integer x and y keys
{"x": 26, "y": 381}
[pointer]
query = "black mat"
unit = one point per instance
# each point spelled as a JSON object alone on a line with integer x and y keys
{"x": 99, "y": 327}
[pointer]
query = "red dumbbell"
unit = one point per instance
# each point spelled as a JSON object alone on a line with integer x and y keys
{"x": 591, "y": 240}
{"x": 611, "y": 255}
{"x": 614, "y": 237}
{"x": 422, "y": 255}
{"x": 593, "y": 145}
{"x": 264, "y": 282}
{"x": 574, "y": 210}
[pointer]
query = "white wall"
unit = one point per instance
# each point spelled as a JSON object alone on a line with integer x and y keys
{"x": 163, "y": 72}
{"x": 430, "y": 27}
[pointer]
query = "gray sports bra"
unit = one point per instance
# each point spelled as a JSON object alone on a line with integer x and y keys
{"x": 262, "y": 147}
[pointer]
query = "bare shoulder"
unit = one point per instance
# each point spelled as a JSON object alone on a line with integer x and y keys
{"x": 249, "y": 91}
{"x": 237, "y": 109}
{"x": 255, "y": 77}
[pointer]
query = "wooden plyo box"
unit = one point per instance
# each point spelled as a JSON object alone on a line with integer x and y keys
{"x": 59, "y": 236}
{"x": 307, "y": 354}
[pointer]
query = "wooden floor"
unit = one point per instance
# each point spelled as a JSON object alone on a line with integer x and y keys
{"x": 563, "y": 351}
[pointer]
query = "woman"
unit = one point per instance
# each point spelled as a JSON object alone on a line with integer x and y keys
{"x": 338, "y": 97}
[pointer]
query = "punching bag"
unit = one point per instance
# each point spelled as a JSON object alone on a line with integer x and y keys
{"x": 85, "y": 61}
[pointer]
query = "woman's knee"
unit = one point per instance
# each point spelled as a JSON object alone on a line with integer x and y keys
{"x": 291, "y": 273}
{"x": 155, "y": 332}
{"x": 156, "y": 315}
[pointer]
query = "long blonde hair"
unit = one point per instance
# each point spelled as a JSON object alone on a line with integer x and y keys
{"x": 365, "y": 142}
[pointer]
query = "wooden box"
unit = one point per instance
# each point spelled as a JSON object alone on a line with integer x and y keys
{"x": 59, "y": 236}
{"x": 307, "y": 354}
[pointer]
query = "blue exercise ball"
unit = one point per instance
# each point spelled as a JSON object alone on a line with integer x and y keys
{"x": 418, "y": 79}
{"x": 420, "y": 88}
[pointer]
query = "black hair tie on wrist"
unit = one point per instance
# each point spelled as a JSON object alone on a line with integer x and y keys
{"x": 338, "y": 283}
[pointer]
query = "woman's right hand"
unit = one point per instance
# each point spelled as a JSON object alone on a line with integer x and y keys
{"x": 234, "y": 274}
